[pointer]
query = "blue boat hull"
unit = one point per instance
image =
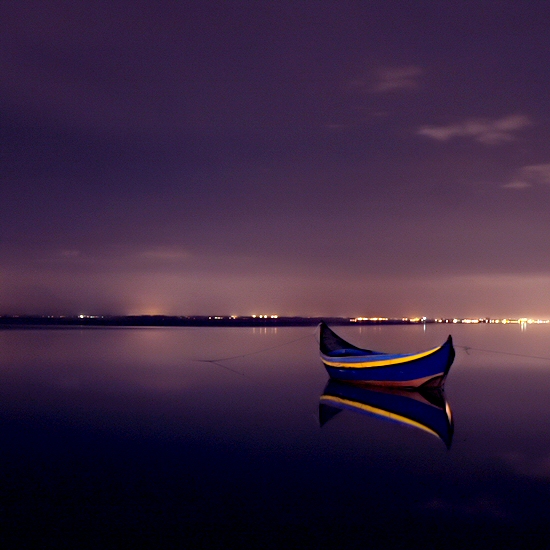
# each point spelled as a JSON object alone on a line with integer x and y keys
{"x": 346, "y": 362}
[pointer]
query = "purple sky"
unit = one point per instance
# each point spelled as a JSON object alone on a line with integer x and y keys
{"x": 300, "y": 158}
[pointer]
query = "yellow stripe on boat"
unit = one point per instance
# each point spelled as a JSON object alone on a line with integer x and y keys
{"x": 329, "y": 400}
{"x": 380, "y": 363}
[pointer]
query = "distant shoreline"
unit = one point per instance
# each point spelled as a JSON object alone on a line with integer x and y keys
{"x": 174, "y": 321}
{"x": 85, "y": 321}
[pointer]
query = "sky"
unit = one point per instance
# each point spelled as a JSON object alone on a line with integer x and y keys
{"x": 353, "y": 158}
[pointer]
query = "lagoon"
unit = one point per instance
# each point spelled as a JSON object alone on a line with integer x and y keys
{"x": 210, "y": 438}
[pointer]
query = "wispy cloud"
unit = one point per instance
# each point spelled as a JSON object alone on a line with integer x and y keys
{"x": 69, "y": 253}
{"x": 392, "y": 79}
{"x": 528, "y": 176}
{"x": 488, "y": 132}
{"x": 387, "y": 79}
{"x": 109, "y": 257}
{"x": 166, "y": 254}
{"x": 517, "y": 184}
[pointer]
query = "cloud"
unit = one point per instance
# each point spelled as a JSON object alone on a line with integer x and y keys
{"x": 528, "y": 176}
{"x": 517, "y": 184}
{"x": 392, "y": 79}
{"x": 488, "y": 132}
{"x": 69, "y": 253}
{"x": 387, "y": 79}
{"x": 539, "y": 173}
{"x": 166, "y": 254}
{"x": 114, "y": 258}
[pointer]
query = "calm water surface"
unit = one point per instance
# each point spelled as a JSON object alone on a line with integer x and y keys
{"x": 210, "y": 438}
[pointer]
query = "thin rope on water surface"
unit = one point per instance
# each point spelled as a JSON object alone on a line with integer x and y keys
{"x": 500, "y": 352}
{"x": 218, "y": 362}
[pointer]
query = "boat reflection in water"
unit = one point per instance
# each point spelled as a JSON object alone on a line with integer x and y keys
{"x": 425, "y": 408}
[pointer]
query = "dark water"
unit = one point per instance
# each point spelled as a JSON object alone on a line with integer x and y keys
{"x": 119, "y": 438}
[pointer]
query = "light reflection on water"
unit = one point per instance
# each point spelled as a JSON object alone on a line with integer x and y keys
{"x": 110, "y": 437}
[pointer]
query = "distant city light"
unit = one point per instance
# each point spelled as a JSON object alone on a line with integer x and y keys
{"x": 264, "y": 316}
{"x": 372, "y": 319}
{"x": 524, "y": 321}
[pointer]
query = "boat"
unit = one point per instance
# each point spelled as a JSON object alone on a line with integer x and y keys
{"x": 347, "y": 362}
{"x": 425, "y": 409}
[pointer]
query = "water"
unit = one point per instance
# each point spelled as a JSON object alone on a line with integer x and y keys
{"x": 114, "y": 438}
